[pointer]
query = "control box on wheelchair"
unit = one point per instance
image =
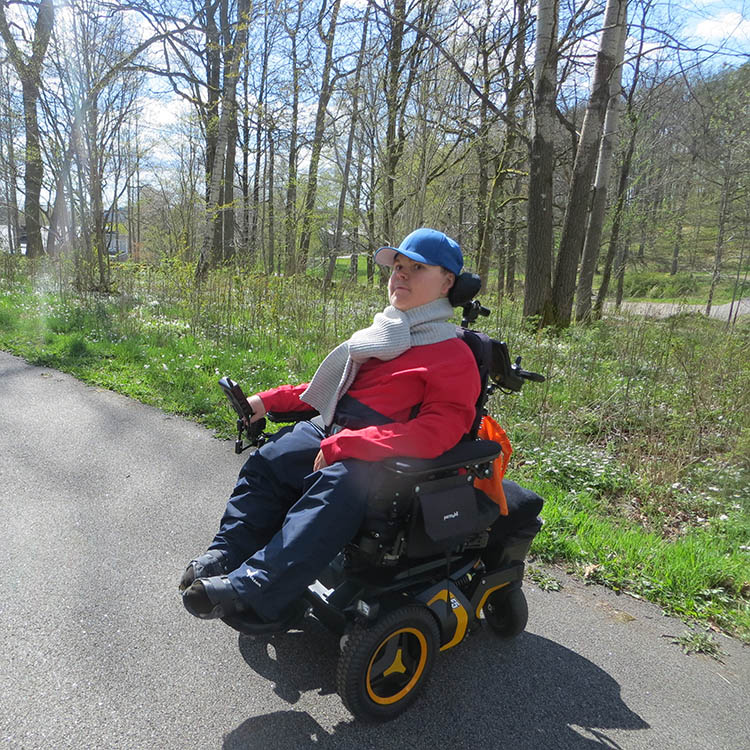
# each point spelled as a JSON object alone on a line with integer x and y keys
{"x": 434, "y": 557}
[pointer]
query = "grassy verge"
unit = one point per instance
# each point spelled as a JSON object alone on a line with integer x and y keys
{"x": 638, "y": 440}
{"x": 684, "y": 288}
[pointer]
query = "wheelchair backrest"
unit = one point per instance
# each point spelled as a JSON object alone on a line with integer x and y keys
{"x": 481, "y": 347}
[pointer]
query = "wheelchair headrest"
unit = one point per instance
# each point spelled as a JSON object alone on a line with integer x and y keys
{"x": 466, "y": 287}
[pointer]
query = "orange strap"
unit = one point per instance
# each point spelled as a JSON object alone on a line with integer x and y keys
{"x": 489, "y": 429}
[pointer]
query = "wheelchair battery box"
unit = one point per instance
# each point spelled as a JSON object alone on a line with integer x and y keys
{"x": 447, "y": 510}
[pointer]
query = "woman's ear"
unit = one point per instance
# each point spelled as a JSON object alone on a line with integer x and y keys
{"x": 448, "y": 281}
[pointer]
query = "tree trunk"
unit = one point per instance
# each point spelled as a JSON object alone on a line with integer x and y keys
{"x": 56, "y": 235}
{"x": 507, "y": 270}
{"x": 461, "y": 209}
{"x": 579, "y": 193}
{"x": 213, "y": 207}
{"x": 245, "y": 176}
{"x": 621, "y": 262}
{"x": 539, "y": 206}
{"x": 290, "y": 210}
{"x": 614, "y": 237}
{"x": 226, "y": 218}
{"x": 512, "y": 247}
{"x": 271, "y": 211}
{"x": 260, "y": 127}
{"x": 484, "y": 160}
{"x": 11, "y": 172}
{"x": 599, "y": 203}
{"x": 320, "y": 122}
{"x": 734, "y": 310}
{"x": 354, "y": 263}
{"x": 96, "y": 201}
{"x": 29, "y": 73}
{"x": 501, "y": 246}
{"x": 371, "y": 217}
{"x": 719, "y": 251}
{"x": 338, "y": 232}
{"x": 212, "y": 120}
{"x": 392, "y": 85}
{"x": 679, "y": 225}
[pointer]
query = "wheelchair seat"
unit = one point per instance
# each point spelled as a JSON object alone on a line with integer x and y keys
{"x": 468, "y": 453}
{"x": 426, "y": 507}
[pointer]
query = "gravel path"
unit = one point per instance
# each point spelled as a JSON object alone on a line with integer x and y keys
{"x": 668, "y": 309}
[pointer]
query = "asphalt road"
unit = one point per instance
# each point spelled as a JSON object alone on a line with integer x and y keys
{"x": 102, "y": 503}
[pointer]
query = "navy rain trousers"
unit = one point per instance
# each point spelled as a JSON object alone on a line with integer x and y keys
{"x": 284, "y": 524}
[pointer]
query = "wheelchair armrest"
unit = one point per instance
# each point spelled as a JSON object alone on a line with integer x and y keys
{"x": 466, "y": 454}
{"x": 291, "y": 416}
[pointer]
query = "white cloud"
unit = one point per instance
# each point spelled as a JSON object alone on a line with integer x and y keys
{"x": 163, "y": 111}
{"x": 729, "y": 25}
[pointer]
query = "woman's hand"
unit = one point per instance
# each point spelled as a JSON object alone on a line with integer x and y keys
{"x": 256, "y": 404}
{"x": 320, "y": 462}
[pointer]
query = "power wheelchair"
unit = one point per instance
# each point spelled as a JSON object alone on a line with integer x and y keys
{"x": 433, "y": 557}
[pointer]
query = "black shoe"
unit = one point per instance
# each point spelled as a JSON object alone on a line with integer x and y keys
{"x": 211, "y": 563}
{"x": 212, "y": 598}
{"x": 215, "y": 598}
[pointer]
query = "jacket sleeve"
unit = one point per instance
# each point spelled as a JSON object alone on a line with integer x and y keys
{"x": 285, "y": 398}
{"x": 445, "y": 416}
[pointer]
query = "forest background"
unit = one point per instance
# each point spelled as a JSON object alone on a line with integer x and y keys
{"x": 190, "y": 189}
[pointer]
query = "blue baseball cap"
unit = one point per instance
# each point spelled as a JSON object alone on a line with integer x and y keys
{"x": 425, "y": 246}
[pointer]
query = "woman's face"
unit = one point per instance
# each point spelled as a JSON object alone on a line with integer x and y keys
{"x": 413, "y": 284}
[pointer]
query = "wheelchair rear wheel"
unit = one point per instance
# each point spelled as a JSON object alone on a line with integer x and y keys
{"x": 507, "y": 612}
{"x": 383, "y": 667}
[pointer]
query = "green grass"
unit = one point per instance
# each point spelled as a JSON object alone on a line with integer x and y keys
{"x": 638, "y": 439}
{"x": 692, "y": 642}
{"x": 686, "y": 288}
{"x": 700, "y": 575}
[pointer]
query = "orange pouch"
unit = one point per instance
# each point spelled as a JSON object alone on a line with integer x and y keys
{"x": 489, "y": 429}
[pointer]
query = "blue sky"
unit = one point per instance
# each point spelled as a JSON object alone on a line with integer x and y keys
{"x": 716, "y": 22}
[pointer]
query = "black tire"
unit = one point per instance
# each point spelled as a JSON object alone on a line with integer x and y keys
{"x": 382, "y": 667}
{"x": 507, "y": 612}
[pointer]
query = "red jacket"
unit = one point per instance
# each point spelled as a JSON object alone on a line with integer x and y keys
{"x": 442, "y": 377}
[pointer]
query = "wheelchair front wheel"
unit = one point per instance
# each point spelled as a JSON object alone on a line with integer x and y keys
{"x": 382, "y": 667}
{"x": 507, "y": 612}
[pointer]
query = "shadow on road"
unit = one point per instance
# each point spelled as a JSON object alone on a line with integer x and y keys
{"x": 528, "y": 694}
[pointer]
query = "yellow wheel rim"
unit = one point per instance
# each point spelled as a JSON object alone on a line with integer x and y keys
{"x": 396, "y": 666}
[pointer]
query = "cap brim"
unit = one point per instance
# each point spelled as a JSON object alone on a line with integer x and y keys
{"x": 385, "y": 256}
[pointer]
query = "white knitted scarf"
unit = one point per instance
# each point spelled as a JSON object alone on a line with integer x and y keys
{"x": 392, "y": 332}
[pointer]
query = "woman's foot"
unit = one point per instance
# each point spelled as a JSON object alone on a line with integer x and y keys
{"x": 212, "y": 598}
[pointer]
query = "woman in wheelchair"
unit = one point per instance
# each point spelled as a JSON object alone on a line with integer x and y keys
{"x": 406, "y": 386}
